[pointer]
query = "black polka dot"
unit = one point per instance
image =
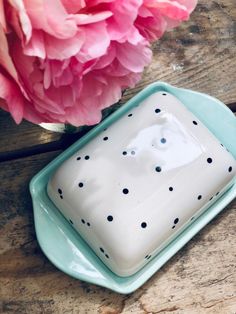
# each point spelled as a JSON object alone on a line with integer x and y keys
{"x": 146, "y": 256}
{"x": 61, "y": 197}
{"x": 199, "y": 197}
{"x": 109, "y": 218}
{"x": 157, "y": 110}
{"x": 209, "y": 160}
{"x": 107, "y": 256}
{"x": 59, "y": 191}
{"x": 78, "y": 158}
{"x": 125, "y": 191}
{"x": 124, "y": 153}
{"x": 158, "y": 169}
{"x": 176, "y": 221}
{"x": 101, "y": 249}
{"x": 195, "y": 122}
{"x": 164, "y": 94}
{"x": 217, "y": 193}
{"x": 86, "y": 157}
{"x": 71, "y": 221}
{"x": 143, "y": 224}
{"x": 222, "y": 145}
{"x": 230, "y": 169}
{"x": 171, "y": 188}
{"x": 130, "y": 115}
{"x": 80, "y": 184}
{"x": 105, "y": 138}
{"x": 83, "y": 221}
{"x": 149, "y": 256}
{"x": 173, "y": 227}
{"x": 163, "y": 140}
{"x": 88, "y": 224}
{"x": 132, "y": 152}
{"x": 211, "y": 198}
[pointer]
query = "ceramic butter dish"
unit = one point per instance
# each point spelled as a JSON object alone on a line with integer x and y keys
{"x": 141, "y": 181}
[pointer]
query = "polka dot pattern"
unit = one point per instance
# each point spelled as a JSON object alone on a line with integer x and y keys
{"x": 144, "y": 225}
{"x": 209, "y": 160}
{"x": 110, "y": 218}
{"x": 125, "y": 191}
{"x": 103, "y": 252}
{"x": 158, "y": 168}
{"x": 85, "y": 222}
{"x": 85, "y": 157}
{"x": 175, "y": 222}
{"x": 60, "y": 193}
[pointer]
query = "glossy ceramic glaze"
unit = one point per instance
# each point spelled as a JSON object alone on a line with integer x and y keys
{"x": 63, "y": 245}
{"x": 139, "y": 182}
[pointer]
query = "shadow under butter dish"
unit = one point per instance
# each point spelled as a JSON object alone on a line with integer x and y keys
{"x": 136, "y": 185}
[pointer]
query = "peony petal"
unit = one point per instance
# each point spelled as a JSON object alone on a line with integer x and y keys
{"x": 23, "y": 17}
{"x": 83, "y": 19}
{"x": 2, "y": 16}
{"x": 59, "y": 49}
{"x": 134, "y": 57}
{"x": 14, "y": 100}
{"x": 73, "y": 6}
{"x": 51, "y": 17}
{"x": 96, "y": 42}
{"x": 5, "y": 59}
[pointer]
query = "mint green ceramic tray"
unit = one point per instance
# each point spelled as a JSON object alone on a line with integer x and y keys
{"x": 66, "y": 249}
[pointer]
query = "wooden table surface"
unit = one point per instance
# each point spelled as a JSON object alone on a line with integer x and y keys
{"x": 201, "y": 55}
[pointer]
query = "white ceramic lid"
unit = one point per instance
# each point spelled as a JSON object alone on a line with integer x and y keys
{"x": 135, "y": 186}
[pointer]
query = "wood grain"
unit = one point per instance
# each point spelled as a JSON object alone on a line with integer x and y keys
{"x": 199, "y": 279}
{"x": 200, "y": 54}
{"x": 17, "y": 137}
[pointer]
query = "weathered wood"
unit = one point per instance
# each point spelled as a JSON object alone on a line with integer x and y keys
{"x": 199, "y": 279}
{"x": 16, "y": 137}
{"x": 200, "y": 54}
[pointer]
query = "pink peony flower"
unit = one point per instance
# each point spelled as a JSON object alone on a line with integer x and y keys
{"x": 65, "y": 60}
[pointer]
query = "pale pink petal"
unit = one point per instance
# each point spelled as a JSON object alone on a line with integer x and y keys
{"x": 73, "y": 6}
{"x": 96, "y": 42}
{"x": 133, "y": 57}
{"x": 51, "y": 17}
{"x": 23, "y": 17}
{"x": 83, "y": 19}
{"x": 36, "y": 45}
{"x": 59, "y": 49}
{"x": 14, "y": 100}
{"x": 2, "y": 16}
